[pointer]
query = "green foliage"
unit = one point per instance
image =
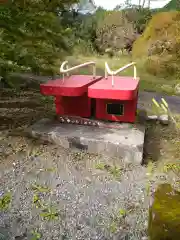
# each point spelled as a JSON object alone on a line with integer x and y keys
{"x": 100, "y": 166}
{"x": 83, "y": 26}
{"x": 164, "y": 214}
{"x": 174, "y": 167}
{"x": 118, "y": 219}
{"x": 49, "y": 214}
{"x": 32, "y": 36}
{"x": 5, "y": 201}
{"x": 47, "y": 99}
{"x": 40, "y": 188}
{"x": 37, "y": 201}
{"x": 113, "y": 170}
{"x": 138, "y": 16}
{"x": 122, "y": 212}
{"x": 113, "y": 227}
{"x": 35, "y": 235}
{"x": 84, "y": 31}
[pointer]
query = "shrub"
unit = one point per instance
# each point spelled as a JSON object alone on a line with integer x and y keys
{"x": 139, "y": 17}
{"x": 160, "y": 42}
{"x": 162, "y": 27}
{"x": 164, "y": 67}
{"x": 32, "y": 37}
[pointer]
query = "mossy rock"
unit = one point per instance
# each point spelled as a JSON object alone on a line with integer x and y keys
{"x": 164, "y": 214}
{"x": 164, "y": 26}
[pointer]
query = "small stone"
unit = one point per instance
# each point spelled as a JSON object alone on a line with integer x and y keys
{"x": 152, "y": 118}
{"x": 164, "y": 119}
{"x": 137, "y": 205}
{"x": 88, "y": 179}
{"x": 144, "y": 238}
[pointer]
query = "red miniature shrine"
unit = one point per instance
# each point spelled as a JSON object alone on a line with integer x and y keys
{"x": 111, "y": 98}
{"x": 116, "y": 97}
{"x": 71, "y": 92}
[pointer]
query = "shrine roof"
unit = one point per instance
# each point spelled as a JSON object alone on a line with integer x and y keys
{"x": 124, "y": 88}
{"x": 74, "y": 85}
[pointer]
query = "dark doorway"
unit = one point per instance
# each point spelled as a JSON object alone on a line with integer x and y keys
{"x": 93, "y": 107}
{"x": 115, "y": 109}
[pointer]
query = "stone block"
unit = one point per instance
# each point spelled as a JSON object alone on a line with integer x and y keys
{"x": 125, "y": 142}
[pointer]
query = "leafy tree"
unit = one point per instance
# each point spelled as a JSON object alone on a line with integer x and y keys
{"x": 139, "y": 17}
{"x": 83, "y": 20}
{"x": 32, "y": 36}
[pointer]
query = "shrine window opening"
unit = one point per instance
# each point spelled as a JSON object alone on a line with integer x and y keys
{"x": 115, "y": 109}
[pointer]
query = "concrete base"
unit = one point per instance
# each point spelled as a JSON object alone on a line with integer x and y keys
{"x": 126, "y": 142}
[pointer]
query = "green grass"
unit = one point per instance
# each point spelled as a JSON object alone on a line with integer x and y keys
{"x": 40, "y": 188}
{"x": 115, "y": 171}
{"x": 35, "y": 235}
{"x": 148, "y": 82}
{"x": 5, "y": 201}
{"x": 49, "y": 214}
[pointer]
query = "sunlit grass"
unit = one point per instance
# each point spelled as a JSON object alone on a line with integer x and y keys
{"x": 148, "y": 82}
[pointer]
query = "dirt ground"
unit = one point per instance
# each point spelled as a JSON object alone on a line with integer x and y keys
{"x": 55, "y": 193}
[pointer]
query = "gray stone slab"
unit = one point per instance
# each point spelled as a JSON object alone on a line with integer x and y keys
{"x": 126, "y": 142}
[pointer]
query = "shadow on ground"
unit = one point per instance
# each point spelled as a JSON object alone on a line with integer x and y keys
{"x": 22, "y": 108}
{"x": 152, "y": 143}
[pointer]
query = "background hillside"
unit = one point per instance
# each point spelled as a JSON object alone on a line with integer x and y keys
{"x": 172, "y": 5}
{"x": 80, "y": 28}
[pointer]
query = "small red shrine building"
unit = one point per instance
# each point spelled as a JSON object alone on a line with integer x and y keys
{"x": 111, "y": 97}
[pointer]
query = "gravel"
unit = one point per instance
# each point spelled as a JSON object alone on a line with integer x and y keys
{"x": 91, "y": 203}
{"x": 88, "y": 200}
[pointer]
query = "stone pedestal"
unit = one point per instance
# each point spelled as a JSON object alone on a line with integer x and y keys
{"x": 125, "y": 142}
